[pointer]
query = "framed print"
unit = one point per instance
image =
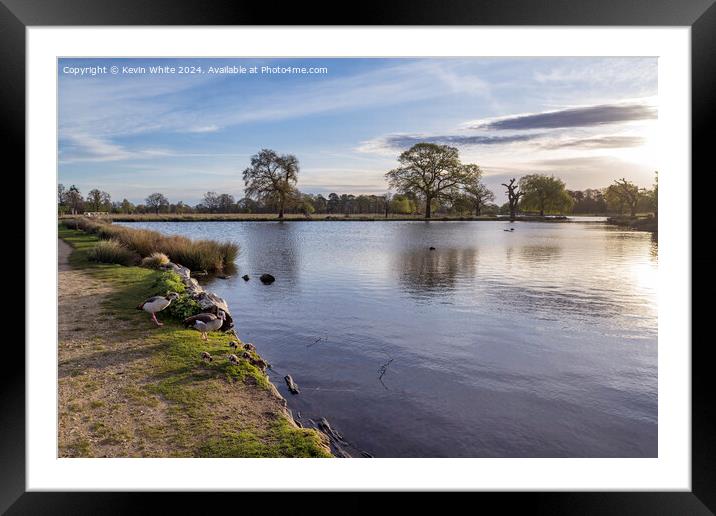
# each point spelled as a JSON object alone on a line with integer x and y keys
{"x": 418, "y": 250}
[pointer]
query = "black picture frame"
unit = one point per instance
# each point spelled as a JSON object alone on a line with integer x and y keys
{"x": 700, "y": 15}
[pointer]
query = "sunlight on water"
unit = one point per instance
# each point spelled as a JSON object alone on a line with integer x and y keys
{"x": 540, "y": 342}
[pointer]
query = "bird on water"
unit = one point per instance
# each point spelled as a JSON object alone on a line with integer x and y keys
{"x": 157, "y": 304}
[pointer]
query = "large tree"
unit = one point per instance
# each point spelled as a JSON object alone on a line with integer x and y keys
{"x": 623, "y": 194}
{"x": 271, "y": 176}
{"x": 432, "y": 171}
{"x": 477, "y": 192}
{"x": 156, "y": 202}
{"x": 544, "y": 193}
{"x": 98, "y": 200}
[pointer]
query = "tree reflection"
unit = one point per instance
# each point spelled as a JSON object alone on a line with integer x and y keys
{"x": 423, "y": 272}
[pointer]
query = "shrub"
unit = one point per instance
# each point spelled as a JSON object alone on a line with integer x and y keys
{"x": 155, "y": 261}
{"x": 111, "y": 251}
{"x": 180, "y": 308}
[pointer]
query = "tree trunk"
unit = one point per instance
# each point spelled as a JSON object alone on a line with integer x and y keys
{"x": 428, "y": 207}
{"x": 280, "y": 209}
{"x": 541, "y": 213}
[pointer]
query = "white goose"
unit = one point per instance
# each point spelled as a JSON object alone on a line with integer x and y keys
{"x": 157, "y": 304}
{"x": 205, "y": 322}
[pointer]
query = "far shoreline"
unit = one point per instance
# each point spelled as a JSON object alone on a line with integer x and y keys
{"x": 271, "y": 217}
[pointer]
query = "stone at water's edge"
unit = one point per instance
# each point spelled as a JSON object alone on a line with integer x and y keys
{"x": 208, "y": 301}
{"x": 267, "y": 278}
{"x": 245, "y": 277}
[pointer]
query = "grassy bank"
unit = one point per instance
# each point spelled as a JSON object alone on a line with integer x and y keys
{"x": 206, "y": 255}
{"x": 128, "y": 388}
{"x": 639, "y": 223}
{"x": 272, "y": 217}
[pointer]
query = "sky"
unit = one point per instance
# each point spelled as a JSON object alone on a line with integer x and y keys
{"x": 132, "y": 130}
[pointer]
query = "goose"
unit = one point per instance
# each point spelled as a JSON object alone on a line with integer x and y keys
{"x": 206, "y": 356}
{"x": 205, "y": 322}
{"x": 234, "y": 344}
{"x": 157, "y": 304}
{"x": 233, "y": 359}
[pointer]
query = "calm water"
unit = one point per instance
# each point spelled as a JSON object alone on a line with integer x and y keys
{"x": 540, "y": 342}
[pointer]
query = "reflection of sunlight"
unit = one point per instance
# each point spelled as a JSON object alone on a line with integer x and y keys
{"x": 646, "y": 275}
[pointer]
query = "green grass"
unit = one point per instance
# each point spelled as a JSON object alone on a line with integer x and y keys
{"x": 284, "y": 441}
{"x": 178, "y": 375}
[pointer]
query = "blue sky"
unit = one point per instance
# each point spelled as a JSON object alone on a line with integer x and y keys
{"x": 586, "y": 120}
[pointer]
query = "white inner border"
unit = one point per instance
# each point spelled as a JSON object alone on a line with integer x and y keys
{"x": 670, "y": 471}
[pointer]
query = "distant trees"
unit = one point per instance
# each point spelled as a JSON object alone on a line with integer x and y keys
{"x": 591, "y": 200}
{"x": 156, "y": 202}
{"x": 544, "y": 193}
{"x": 218, "y": 203}
{"x": 432, "y": 171}
{"x": 427, "y": 171}
{"x": 271, "y": 176}
{"x": 476, "y": 192}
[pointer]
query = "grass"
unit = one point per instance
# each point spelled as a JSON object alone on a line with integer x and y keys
{"x": 111, "y": 251}
{"x": 177, "y": 377}
{"x": 155, "y": 261}
{"x": 638, "y": 223}
{"x": 205, "y": 255}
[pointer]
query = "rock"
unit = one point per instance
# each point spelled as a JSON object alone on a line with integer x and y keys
{"x": 211, "y": 303}
{"x": 193, "y": 287}
{"x": 432, "y": 248}
{"x": 267, "y": 279}
{"x": 292, "y": 387}
{"x": 245, "y": 277}
{"x": 182, "y": 271}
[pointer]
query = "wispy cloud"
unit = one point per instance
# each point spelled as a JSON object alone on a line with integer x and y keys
{"x": 394, "y": 142}
{"x": 571, "y": 117}
{"x": 108, "y": 110}
{"x": 599, "y": 142}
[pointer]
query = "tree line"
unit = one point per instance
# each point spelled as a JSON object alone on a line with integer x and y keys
{"x": 430, "y": 179}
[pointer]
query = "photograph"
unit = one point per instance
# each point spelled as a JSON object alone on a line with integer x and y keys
{"x": 358, "y": 257}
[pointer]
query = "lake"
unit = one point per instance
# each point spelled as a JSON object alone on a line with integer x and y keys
{"x": 537, "y": 342}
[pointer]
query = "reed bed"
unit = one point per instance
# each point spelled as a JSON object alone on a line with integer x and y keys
{"x": 205, "y": 255}
{"x": 111, "y": 251}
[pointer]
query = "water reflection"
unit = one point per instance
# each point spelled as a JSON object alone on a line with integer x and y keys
{"x": 536, "y": 342}
{"x": 540, "y": 253}
{"x": 272, "y": 247}
{"x": 423, "y": 272}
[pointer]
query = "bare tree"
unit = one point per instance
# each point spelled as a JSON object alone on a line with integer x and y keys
{"x": 513, "y": 197}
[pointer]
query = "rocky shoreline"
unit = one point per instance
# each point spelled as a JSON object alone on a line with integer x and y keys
{"x": 211, "y": 303}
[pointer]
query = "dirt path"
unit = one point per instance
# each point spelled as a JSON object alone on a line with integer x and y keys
{"x": 64, "y": 250}
{"x": 114, "y": 400}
